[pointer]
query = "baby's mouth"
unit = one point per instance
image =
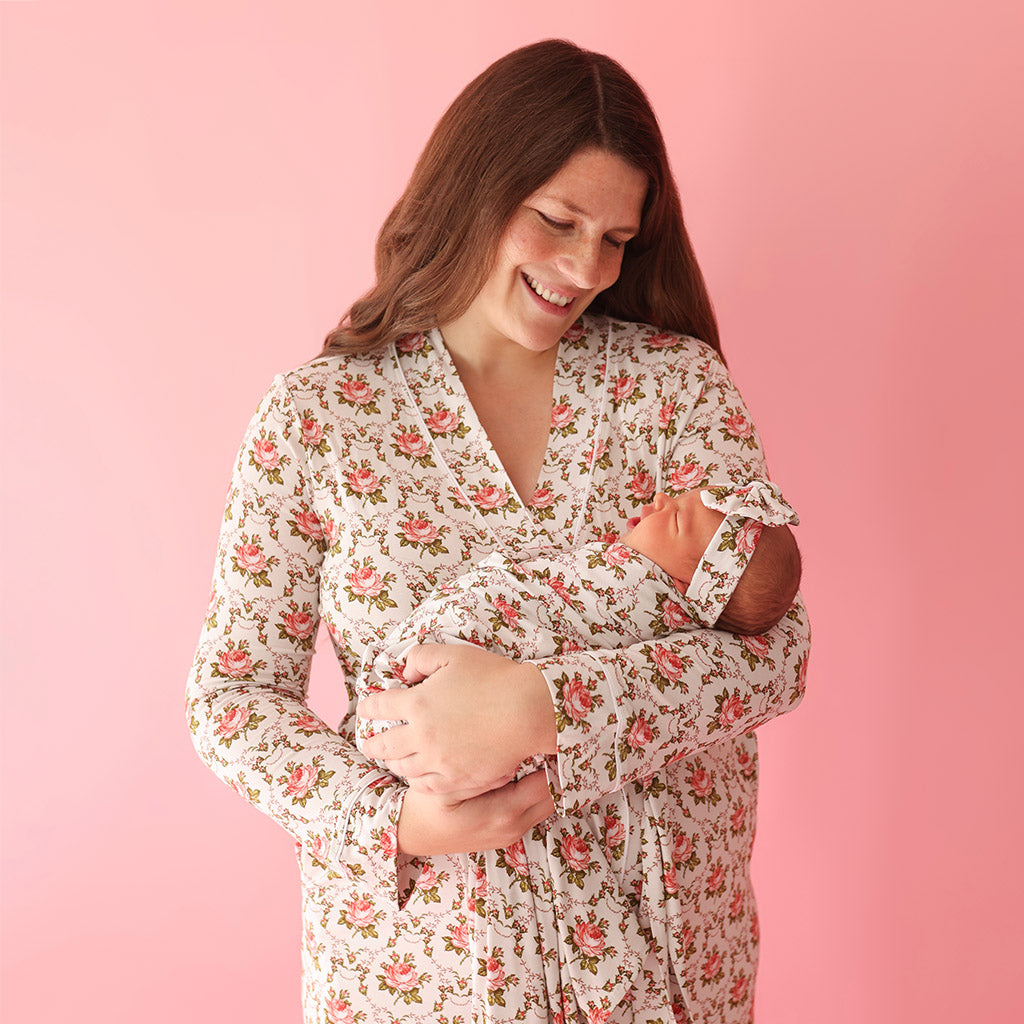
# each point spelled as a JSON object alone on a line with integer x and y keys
{"x": 555, "y": 298}
{"x": 633, "y": 522}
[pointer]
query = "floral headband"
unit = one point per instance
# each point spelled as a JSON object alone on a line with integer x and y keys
{"x": 748, "y": 509}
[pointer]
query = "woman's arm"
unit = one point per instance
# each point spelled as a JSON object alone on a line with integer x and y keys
{"x": 624, "y": 715}
{"x": 247, "y": 689}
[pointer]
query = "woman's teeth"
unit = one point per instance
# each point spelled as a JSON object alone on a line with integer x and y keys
{"x": 547, "y": 294}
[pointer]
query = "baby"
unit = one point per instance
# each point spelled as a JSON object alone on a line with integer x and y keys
{"x": 720, "y": 556}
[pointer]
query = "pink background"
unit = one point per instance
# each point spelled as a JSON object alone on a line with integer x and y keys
{"x": 190, "y": 197}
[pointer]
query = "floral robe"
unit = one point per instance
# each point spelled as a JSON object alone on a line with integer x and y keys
{"x": 363, "y": 483}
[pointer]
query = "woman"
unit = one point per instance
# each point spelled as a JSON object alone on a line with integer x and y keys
{"x": 465, "y": 405}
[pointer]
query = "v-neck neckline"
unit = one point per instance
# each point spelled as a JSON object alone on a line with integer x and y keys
{"x": 551, "y": 515}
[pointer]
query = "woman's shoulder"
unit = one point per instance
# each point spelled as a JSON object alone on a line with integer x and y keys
{"x": 676, "y": 360}
{"x": 643, "y": 341}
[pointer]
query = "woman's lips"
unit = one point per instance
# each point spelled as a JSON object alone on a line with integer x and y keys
{"x": 544, "y": 304}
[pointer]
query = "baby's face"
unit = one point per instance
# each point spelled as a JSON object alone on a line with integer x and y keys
{"x": 673, "y": 532}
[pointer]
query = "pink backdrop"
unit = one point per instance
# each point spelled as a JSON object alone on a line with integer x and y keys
{"x": 190, "y": 195}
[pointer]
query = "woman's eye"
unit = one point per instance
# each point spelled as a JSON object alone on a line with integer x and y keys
{"x": 615, "y": 243}
{"x": 552, "y": 223}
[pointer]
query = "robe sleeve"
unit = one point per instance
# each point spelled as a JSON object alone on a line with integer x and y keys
{"x": 624, "y": 714}
{"x": 246, "y": 694}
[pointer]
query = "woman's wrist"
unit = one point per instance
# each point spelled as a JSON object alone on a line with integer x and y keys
{"x": 538, "y": 710}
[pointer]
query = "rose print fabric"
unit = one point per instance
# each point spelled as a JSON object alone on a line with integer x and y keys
{"x": 362, "y": 484}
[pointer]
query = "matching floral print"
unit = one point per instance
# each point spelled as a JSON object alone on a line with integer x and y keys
{"x": 364, "y": 483}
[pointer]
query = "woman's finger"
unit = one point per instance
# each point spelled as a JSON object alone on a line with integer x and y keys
{"x": 385, "y": 704}
{"x": 392, "y": 746}
{"x": 424, "y": 660}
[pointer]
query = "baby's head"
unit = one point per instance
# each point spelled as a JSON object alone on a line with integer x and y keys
{"x": 690, "y": 540}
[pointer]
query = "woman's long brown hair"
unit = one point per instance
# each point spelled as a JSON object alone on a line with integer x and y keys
{"x": 509, "y": 131}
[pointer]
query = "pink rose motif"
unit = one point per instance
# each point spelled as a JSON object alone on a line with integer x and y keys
{"x": 389, "y": 842}
{"x": 736, "y": 907}
{"x": 700, "y": 782}
{"x": 614, "y": 832}
{"x": 683, "y": 849}
{"x": 738, "y": 426}
{"x": 401, "y": 977}
{"x": 320, "y": 849}
{"x": 623, "y": 387}
{"x": 685, "y": 938}
{"x": 686, "y": 477}
{"x": 359, "y": 913}
{"x": 575, "y": 332}
{"x": 617, "y": 554}
{"x": 673, "y": 616}
{"x": 543, "y": 497}
{"x": 665, "y": 415}
{"x": 739, "y": 990}
{"x": 495, "y": 975}
{"x": 757, "y": 645}
{"x": 515, "y": 858}
{"x": 487, "y": 498}
{"x": 308, "y": 524}
{"x": 307, "y": 722}
{"x": 642, "y": 486}
{"x": 598, "y": 1015}
{"x": 427, "y": 879}
{"x": 755, "y": 928}
{"x": 312, "y": 433}
{"x": 716, "y": 881}
{"x": 265, "y": 454}
{"x": 508, "y": 613}
{"x": 366, "y": 582}
{"x": 412, "y": 444}
{"x": 662, "y": 341}
{"x": 732, "y": 710}
{"x": 576, "y": 699}
{"x": 358, "y": 392}
{"x": 420, "y": 531}
{"x": 712, "y": 966}
{"x": 668, "y": 664}
{"x": 596, "y": 454}
{"x": 444, "y": 421}
{"x": 250, "y": 558}
{"x": 739, "y": 815}
{"x": 302, "y": 781}
{"x": 747, "y": 536}
{"x": 234, "y": 664}
{"x": 232, "y": 721}
{"x": 561, "y": 588}
{"x": 588, "y": 938}
{"x": 460, "y": 937}
{"x": 298, "y": 625}
{"x": 339, "y": 1012}
{"x": 561, "y": 416}
{"x": 575, "y": 852}
{"x": 671, "y": 882}
{"x": 640, "y": 733}
{"x": 412, "y": 343}
{"x": 363, "y": 480}
{"x": 746, "y": 763}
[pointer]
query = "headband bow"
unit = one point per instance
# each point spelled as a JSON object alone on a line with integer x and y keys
{"x": 748, "y": 509}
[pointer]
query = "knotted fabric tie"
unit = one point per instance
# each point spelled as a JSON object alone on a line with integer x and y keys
{"x": 748, "y": 509}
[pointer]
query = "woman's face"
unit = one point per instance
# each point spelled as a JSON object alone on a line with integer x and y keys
{"x": 563, "y": 246}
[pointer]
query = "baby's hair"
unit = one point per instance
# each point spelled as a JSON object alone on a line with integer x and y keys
{"x": 767, "y": 587}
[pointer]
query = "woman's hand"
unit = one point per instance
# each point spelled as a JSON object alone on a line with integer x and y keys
{"x": 432, "y": 825}
{"x": 471, "y": 721}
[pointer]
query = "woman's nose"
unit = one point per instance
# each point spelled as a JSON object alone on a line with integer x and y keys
{"x": 581, "y": 262}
